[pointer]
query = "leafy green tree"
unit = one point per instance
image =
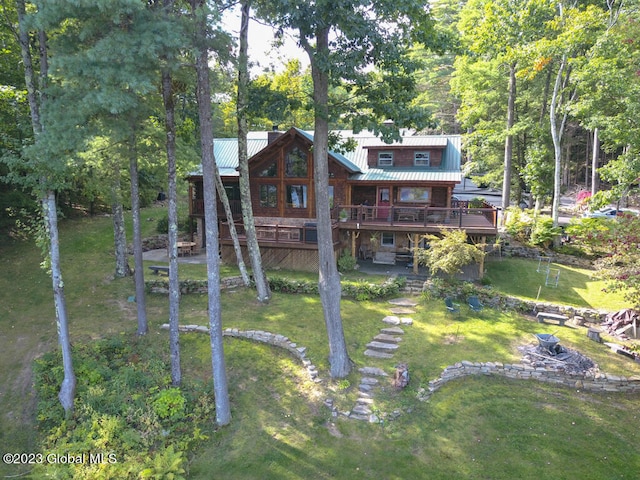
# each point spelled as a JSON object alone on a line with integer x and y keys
{"x": 45, "y": 175}
{"x": 615, "y": 242}
{"x": 609, "y": 86}
{"x": 448, "y": 252}
{"x": 97, "y": 89}
{"x": 344, "y": 41}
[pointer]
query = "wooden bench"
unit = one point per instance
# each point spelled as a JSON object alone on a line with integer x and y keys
{"x": 384, "y": 258}
{"x": 542, "y": 316}
{"x": 158, "y": 269}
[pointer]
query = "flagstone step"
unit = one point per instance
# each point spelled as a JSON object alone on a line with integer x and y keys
{"x": 402, "y": 311}
{"x": 403, "y": 302}
{"x": 370, "y": 380}
{"x": 373, "y": 371}
{"x": 383, "y": 346}
{"x": 392, "y": 331}
{"x": 377, "y": 354}
{"x": 383, "y": 337}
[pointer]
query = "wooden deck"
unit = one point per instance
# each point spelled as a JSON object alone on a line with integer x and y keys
{"x": 475, "y": 221}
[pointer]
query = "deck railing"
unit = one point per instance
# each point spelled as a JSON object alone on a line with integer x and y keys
{"x": 275, "y": 233}
{"x": 419, "y": 216}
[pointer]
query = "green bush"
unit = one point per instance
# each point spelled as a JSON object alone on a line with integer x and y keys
{"x": 118, "y": 415}
{"x": 169, "y": 404}
{"x": 543, "y": 231}
{"x": 519, "y": 224}
{"x": 359, "y": 290}
{"x": 162, "y": 226}
{"x": 346, "y": 263}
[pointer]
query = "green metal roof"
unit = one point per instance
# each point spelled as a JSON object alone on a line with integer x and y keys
{"x": 355, "y": 162}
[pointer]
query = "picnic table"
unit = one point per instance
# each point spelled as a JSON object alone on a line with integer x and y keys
{"x": 185, "y": 248}
{"x": 542, "y": 316}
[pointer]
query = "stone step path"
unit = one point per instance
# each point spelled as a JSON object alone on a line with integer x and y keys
{"x": 383, "y": 346}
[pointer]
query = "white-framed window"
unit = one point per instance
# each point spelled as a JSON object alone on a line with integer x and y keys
{"x": 414, "y": 194}
{"x": 422, "y": 159}
{"x": 385, "y": 159}
{"x": 388, "y": 239}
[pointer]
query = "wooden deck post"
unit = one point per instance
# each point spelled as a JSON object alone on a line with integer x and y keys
{"x": 483, "y": 244}
{"x": 416, "y": 239}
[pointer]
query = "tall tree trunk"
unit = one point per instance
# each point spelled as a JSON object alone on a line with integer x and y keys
{"x": 68, "y": 387}
{"x": 50, "y": 213}
{"x": 253, "y": 249}
{"x": 137, "y": 237}
{"x": 119, "y": 231}
{"x": 557, "y": 130}
{"x": 232, "y": 228}
{"x": 594, "y": 162}
{"x": 329, "y": 279}
{"x": 172, "y": 195}
{"x": 203, "y": 93}
{"x": 508, "y": 143}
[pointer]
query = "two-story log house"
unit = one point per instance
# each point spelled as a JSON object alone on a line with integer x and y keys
{"x": 384, "y": 197}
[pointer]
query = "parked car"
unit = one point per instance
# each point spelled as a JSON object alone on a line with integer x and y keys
{"x": 609, "y": 212}
{"x": 606, "y": 212}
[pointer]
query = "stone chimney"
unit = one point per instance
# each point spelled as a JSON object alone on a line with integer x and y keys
{"x": 273, "y": 134}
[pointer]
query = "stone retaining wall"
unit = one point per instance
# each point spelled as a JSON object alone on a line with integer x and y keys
{"x": 261, "y": 336}
{"x": 160, "y": 286}
{"x": 599, "y": 382}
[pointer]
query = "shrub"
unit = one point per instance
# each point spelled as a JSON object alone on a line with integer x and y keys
{"x": 162, "y": 226}
{"x": 518, "y": 224}
{"x": 141, "y": 432}
{"x": 169, "y": 404}
{"x": 346, "y": 263}
{"x": 544, "y": 232}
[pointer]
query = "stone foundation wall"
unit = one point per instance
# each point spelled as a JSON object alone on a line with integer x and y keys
{"x": 599, "y": 382}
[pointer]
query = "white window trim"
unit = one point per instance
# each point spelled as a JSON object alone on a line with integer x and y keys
{"x": 385, "y": 159}
{"x": 388, "y": 244}
{"x": 416, "y": 161}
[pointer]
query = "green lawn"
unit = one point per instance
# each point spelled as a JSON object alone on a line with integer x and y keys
{"x": 472, "y": 428}
{"x": 576, "y": 286}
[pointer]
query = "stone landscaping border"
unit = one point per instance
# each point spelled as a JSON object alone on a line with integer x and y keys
{"x": 599, "y": 382}
{"x": 260, "y": 336}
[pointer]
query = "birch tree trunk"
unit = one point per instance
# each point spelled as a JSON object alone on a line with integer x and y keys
{"x": 508, "y": 145}
{"x": 203, "y": 93}
{"x": 253, "y": 249}
{"x": 594, "y": 162}
{"x": 50, "y": 213}
{"x": 172, "y": 195}
{"x": 232, "y": 228}
{"x": 556, "y": 136}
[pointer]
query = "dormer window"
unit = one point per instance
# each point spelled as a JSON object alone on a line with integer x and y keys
{"x": 422, "y": 159}
{"x": 385, "y": 159}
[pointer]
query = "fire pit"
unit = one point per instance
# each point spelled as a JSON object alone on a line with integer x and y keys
{"x": 552, "y": 356}
{"x": 548, "y": 341}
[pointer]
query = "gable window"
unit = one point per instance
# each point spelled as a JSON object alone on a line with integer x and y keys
{"x": 415, "y": 194}
{"x": 269, "y": 170}
{"x": 268, "y": 196}
{"x": 295, "y": 163}
{"x": 297, "y": 196}
{"x": 388, "y": 239}
{"x": 422, "y": 159}
{"x": 385, "y": 159}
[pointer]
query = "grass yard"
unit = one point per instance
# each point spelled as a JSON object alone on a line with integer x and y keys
{"x": 578, "y": 287}
{"x": 473, "y": 428}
